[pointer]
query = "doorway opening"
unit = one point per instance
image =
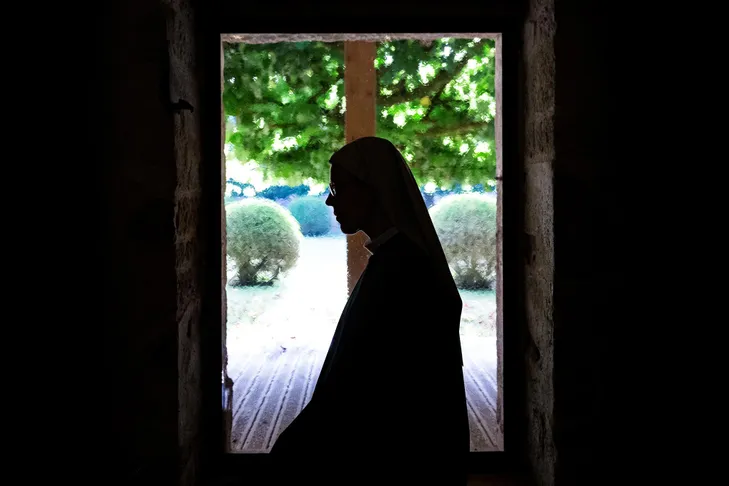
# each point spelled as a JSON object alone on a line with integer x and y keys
{"x": 289, "y": 102}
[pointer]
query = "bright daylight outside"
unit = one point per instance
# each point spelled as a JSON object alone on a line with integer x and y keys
{"x": 284, "y": 109}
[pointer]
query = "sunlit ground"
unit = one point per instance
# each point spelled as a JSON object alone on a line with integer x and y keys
{"x": 303, "y": 308}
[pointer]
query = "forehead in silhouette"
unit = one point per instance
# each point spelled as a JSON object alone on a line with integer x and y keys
{"x": 339, "y": 174}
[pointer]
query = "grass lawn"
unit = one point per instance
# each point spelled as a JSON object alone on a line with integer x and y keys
{"x": 305, "y": 304}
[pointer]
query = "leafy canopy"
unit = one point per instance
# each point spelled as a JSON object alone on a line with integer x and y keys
{"x": 284, "y": 105}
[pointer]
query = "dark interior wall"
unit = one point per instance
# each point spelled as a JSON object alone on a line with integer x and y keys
{"x": 159, "y": 220}
{"x": 588, "y": 273}
{"x": 143, "y": 288}
{"x": 154, "y": 285}
{"x": 374, "y": 16}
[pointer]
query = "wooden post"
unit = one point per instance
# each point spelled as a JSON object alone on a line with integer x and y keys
{"x": 360, "y": 86}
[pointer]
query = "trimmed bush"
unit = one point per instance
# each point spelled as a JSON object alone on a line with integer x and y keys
{"x": 263, "y": 240}
{"x": 466, "y": 226}
{"x": 313, "y": 215}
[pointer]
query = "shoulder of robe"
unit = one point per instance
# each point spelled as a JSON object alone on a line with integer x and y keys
{"x": 407, "y": 267}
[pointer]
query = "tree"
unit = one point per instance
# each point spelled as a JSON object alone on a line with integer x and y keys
{"x": 285, "y": 107}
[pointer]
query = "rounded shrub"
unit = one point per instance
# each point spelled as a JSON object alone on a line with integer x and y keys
{"x": 313, "y": 215}
{"x": 466, "y": 226}
{"x": 263, "y": 240}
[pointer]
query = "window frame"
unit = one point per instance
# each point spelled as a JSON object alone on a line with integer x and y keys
{"x": 214, "y": 456}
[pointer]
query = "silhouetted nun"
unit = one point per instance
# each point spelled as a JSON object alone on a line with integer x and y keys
{"x": 389, "y": 405}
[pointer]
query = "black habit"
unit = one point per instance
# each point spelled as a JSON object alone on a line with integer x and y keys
{"x": 389, "y": 405}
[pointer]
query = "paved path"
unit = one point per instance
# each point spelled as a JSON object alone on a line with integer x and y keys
{"x": 274, "y": 381}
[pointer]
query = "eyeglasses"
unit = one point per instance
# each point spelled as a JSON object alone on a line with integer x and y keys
{"x": 333, "y": 188}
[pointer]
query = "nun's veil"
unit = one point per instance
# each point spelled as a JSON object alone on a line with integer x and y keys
{"x": 379, "y": 164}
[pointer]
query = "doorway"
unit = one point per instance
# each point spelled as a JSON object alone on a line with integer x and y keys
{"x": 288, "y": 105}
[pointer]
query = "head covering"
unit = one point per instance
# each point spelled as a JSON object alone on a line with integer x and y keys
{"x": 379, "y": 164}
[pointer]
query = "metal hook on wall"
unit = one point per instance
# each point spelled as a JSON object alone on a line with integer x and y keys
{"x": 181, "y": 105}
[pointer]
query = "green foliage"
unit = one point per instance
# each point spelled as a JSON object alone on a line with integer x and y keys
{"x": 313, "y": 215}
{"x": 466, "y": 226}
{"x": 285, "y": 92}
{"x": 262, "y": 239}
{"x": 285, "y": 107}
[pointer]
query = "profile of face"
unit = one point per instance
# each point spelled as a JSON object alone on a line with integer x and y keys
{"x": 352, "y": 200}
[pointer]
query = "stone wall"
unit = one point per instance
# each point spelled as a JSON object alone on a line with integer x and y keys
{"x": 539, "y": 159}
{"x": 188, "y": 241}
{"x": 568, "y": 230}
{"x": 153, "y": 258}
